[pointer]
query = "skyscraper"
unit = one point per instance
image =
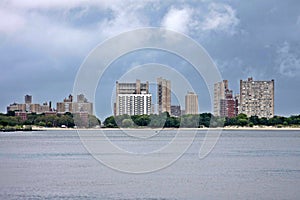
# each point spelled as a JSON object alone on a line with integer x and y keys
{"x": 219, "y": 93}
{"x": 28, "y": 99}
{"x": 225, "y": 104}
{"x": 133, "y": 98}
{"x": 257, "y": 98}
{"x": 191, "y": 103}
{"x": 134, "y": 104}
{"x": 228, "y": 105}
{"x": 163, "y": 95}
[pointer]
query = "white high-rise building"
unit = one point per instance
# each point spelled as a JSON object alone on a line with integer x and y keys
{"x": 133, "y": 99}
{"x": 134, "y": 104}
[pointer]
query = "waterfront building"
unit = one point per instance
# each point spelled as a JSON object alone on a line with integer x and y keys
{"x": 175, "y": 110}
{"x": 81, "y": 119}
{"x": 132, "y": 88}
{"x": 219, "y": 93}
{"x": 257, "y": 98}
{"x": 81, "y": 105}
{"x": 191, "y": 103}
{"x": 28, "y": 106}
{"x": 28, "y": 99}
{"x": 228, "y": 105}
{"x": 16, "y": 107}
{"x": 134, "y": 104}
{"x": 133, "y": 99}
{"x": 21, "y": 114}
{"x": 65, "y": 106}
{"x": 225, "y": 104}
{"x": 163, "y": 95}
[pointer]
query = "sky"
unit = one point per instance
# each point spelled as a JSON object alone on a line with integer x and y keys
{"x": 44, "y": 43}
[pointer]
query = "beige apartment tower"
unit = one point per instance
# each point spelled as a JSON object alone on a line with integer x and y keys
{"x": 257, "y": 98}
{"x": 191, "y": 103}
{"x": 81, "y": 105}
{"x": 219, "y": 94}
{"x": 163, "y": 95}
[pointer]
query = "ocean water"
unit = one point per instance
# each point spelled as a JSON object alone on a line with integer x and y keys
{"x": 242, "y": 165}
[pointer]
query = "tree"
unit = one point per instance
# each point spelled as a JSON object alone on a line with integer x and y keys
{"x": 204, "y": 119}
{"x": 242, "y": 119}
{"x": 126, "y": 123}
{"x": 94, "y": 121}
{"x": 190, "y": 121}
{"x": 110, "y": 122}
{"x": 254, "y": 120}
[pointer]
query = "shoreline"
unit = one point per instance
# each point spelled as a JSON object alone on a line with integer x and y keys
{"x": 158, "y": 129}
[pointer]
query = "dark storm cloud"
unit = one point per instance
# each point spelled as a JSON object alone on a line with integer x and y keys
{"x": 43, "y": 43}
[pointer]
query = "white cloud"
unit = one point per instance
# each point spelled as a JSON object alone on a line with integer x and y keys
{"x": 124, "y": 18}
{"x": 178, "y": 19}
{"x": 221, "y": 17}
{"x": 10, "y": 22}
{"x": 33, "y": 24}
{"x": 288, "y": 60}
{"x": 57, "y": 4}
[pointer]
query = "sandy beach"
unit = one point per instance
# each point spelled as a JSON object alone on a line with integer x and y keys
{"x": 35, "y": 128}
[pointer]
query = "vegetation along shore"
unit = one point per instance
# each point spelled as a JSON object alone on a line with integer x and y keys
{"x": 10, "y": 122}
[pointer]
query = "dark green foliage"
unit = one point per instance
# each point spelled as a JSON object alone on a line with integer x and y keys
{"x": 110, "y": 122}
{"x": 58, "y": 120}
{"x": 196, "y": 121}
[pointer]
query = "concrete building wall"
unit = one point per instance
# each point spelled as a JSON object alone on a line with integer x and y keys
{"x": 191, "y": 103}
{"x": 257, "y": 98}
{"x": 164, "y": 95}
{"x": 219, "y": 93}
{"x": 134, "y": 104}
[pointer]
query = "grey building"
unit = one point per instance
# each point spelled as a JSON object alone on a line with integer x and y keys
{"x": 163, "y": 95}
{"x": 175, "y": 110}
{"x": 257, "y": 98}
{"x": 81, "y": 105}
{"x": 219, "y": 94}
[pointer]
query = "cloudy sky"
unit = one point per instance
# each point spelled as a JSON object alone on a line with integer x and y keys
{"x": 43, "y": 44}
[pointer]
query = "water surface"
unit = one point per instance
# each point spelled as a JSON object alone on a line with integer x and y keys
{"x": 243, "y": 165}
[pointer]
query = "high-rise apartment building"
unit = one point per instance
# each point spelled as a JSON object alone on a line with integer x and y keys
{"x": 132, "y": 88}
{"x": 133, "y": 98}
{"x": 225, "y": 104}
{"x": 28, "y": 99}
{"x": 28, "y": 106}
{"x": 191, "y": 103}
{"x": 164, "y": 95}
{"x": 81, "y": 105}
{"x": 175, "y": 110}
{"x": 66, "y": 105}
{"x": 134, "y": 104}
{"x": 257, "y": 98}
{"x": 219, "y": 93}
{"x": 228, "y": 105}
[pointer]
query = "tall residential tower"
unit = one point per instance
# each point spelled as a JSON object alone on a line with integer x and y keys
{"x": 133, "y": 98}
{"x": 191, "y": 103}
{"x": 257, "y": 98}
{"x": 164, "y": 95}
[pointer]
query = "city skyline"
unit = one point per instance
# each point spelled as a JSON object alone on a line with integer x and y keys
{"x": 255, "y": 98}
{"x": 44, "y": 44}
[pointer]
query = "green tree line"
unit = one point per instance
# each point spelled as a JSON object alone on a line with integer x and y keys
{"x": 58, "y": 120}
{"x": 196, "y": 121}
